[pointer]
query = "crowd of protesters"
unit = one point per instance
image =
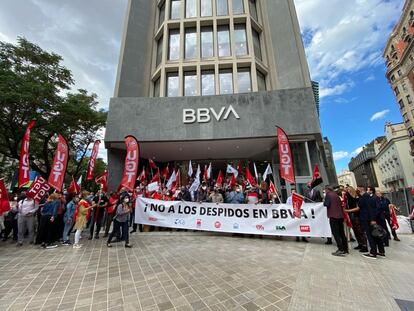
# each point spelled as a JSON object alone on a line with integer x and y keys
{"x": 54, "y": 219}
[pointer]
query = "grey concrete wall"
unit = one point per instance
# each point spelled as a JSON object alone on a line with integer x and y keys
{"x": 284, "y": 44}
{"x": 161, "y": 119}
{"x": 134, "y": 67}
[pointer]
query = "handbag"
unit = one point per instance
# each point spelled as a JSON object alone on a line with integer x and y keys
{"x": 378, "y": 232}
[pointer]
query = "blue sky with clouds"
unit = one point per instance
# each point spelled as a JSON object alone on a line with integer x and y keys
{"x": 344, "y": 40}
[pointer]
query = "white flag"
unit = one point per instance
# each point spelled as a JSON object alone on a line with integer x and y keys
{"x": 232, "y": 170}
{"x": 196, "y": 182}
{"x": 209, "y": 171}
{"x": 268, "y": 171}
{"x": 153, "y": 187}
{"x": 190, "y": 169}
{"x": 255, "y": 171}
{"x": 172, "y": 179}
{"x": 79, "y": 182}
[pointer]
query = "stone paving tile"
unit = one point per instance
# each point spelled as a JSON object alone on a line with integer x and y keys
{"x": 195, "y": 271}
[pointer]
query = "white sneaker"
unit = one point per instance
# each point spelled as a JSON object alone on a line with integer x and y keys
{"x": 77, "y": 245}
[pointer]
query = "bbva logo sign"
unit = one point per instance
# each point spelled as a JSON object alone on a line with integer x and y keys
{"x": 205, "y": 115}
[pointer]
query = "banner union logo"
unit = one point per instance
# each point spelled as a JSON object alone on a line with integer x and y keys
{"x": 152, "y": 219}
{"x": 280, "y": 228}
{"x": 305, "y": 229}
{"x": 260, "y": 227}
{"x": 236, "y": 226}
{"x": 198, "y": 223}
{"x": 217, "y": 225}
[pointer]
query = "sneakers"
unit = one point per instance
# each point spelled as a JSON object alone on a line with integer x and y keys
{"x": 51, "y": 245}
{"x": 108, "y": 245}
{"x": 43, "y": 245}
{"x": 363, "y": 250}
{"x": 90, "y": 238}
{"x": 370, "y": 256}
{"x": 381, "y": 255}
{"x": 66, "y": 243}
{"x": 76, "y": 246}
{"x": 339, "y": 253}
{"x": 397, "y": 239}
{"x": 128, "y": 245}
{"x": 358, "y": 247}
{"x": 19, "y": 244}
{"x": 96, "y": 236}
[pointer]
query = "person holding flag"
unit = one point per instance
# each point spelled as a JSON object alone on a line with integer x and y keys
{"x": 81, "y": 217}
{"x": 68, "y": 219}
{"x": 97, "y": 216}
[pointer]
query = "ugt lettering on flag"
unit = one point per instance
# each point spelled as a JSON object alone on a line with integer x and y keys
{"x": 131, "y": 162}
{"x": 60, "y": 162}
{"x": 24, "y": 169}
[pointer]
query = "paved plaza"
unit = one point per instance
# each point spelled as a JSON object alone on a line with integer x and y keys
{"x": 195, "y": 271}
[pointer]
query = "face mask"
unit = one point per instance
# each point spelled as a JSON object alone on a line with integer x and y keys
{"x": 204, "y": 188}
{"x": 237, "y": 190}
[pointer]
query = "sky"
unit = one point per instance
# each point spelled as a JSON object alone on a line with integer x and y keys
{"x": 344, "y": 41}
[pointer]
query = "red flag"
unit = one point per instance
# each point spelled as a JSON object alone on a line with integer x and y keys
{"x": 38, "y": 189}
{"x": 4, "y": 198}
{"x": 74, "y": 187}
{"x": 394, "y": 221}
{"x": 239, "y": 168}
{"x": 156, "y": 178}
{"x": 285, "y": 154}
{"x": 272, "y": 188}
{"x": 205, "y": 175}
{"x": 131, "y": 163}
{"x": 177, "y": 182}
{"x": 60, "y": 162}
{"x": 24, "y": 168}
{"x": 347, "y": 219}
{"x": 232, "y": 181}
{"x": 152, "y": 164}
{"x": 92, "y": 160}
{"x": 297, "y": 202}
{"x": 317, "y": 178}
{"x": 143, "y": 175}
{"x": 250, "y": 177}
{"x": 103, "y": 181}
{"x": 165, "y": 172}
{"x": 220, "y": 178}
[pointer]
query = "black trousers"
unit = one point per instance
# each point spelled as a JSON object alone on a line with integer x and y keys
{"x": 10, "y": 225}
{"x": 46, "y": 230}
{"x": 98, "y": 222}
{"x": 338, "y": 232}
{"x": 376, "y": 245}
{"x": 118, "y": 227}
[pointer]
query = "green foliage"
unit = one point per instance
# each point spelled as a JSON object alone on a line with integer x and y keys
{"x": 34, "y": 85}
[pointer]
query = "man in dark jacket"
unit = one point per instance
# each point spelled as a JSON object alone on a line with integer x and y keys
{"x": 336, "y": 220}
{"x": 368, "y": 216}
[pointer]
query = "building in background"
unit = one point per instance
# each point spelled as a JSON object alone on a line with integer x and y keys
{"x": 208, "y": 80}
{"x": 347, "y": 178}
{"x": 399, "y": 58}
{"x": 315, "y": 88}
{"x": 330, "y": 163}
{"x": 365, "y": 166}
{"x": 393, "y": 158}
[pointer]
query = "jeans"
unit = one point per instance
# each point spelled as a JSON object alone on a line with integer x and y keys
{"x": 66, "y": 230}
{"x": 118, "y": 226}
{"x": 338, "y": 232}
{"x": 108, "y": 221}
{"x": 25, "y": 223}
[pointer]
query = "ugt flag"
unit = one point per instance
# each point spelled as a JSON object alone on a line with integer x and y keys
{"x": 92, "y": 160}
{"x": 24, "y": 170}
{"x": 60, "y": 162}
{"x": 131, "y": 163}
{"x": 285, "y": 154}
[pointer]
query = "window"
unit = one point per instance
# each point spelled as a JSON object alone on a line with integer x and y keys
{"x": 406, "y": 120}
{"x": 396, "y": 91}
{"x": 245, "y": 84}
{"x": 399, "y": 73}
{"x": 409, "y": 100}
{"x": 392, "y": 78}
{"x": 300, "y": 159}
{"x": 207, "y": 44}
{"x": 174, "y": 45}
{"x": 190, "y": 8}
{"x": 410, "y": 133}
{"x": 221, "y": 6}
{"x": 175, "y": 12}
{"x": 223, "y": 37}
{"x": 190, "y": 43}
{"x": 404, "y": 87}
{"x": 240, "y": 39}
{"x": 161, "y": 15}
{"x": 256, "y": 43}
{"x": 401, "y": 103}
{"x": 238, "y": 7}
{"x": 157, "y": 88}
{"x": 226, "y": 82}
{"x": 208, "y": 86}
{"x": 206, "y": 8}
{"x": 261, "y": 81}
{"x": 190, "y": 84}
{"x": 159, "y": 51}
{"x": 253, "y": 9}
{"x": 172, "y": 85}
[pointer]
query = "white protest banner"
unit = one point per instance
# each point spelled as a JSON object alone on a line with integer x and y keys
{"x": 277, "y": 219}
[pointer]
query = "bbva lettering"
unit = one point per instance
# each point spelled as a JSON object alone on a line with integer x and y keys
{"x": 204, "y": 115}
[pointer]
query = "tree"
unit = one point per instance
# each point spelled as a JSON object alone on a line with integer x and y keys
{"x": 34, "y": 85}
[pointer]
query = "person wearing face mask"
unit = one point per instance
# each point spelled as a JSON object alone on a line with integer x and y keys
{"x": 27, "y": 209}
{"x": 215, "y": 196}
{"x": 68, "y": 219}
{"x": 121, "y": 218}
{"x": 236, "y": 196}
{"x": 202, "y": 195}
{"x": 101, "y": 201}
{"x": 81, "y": 217}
